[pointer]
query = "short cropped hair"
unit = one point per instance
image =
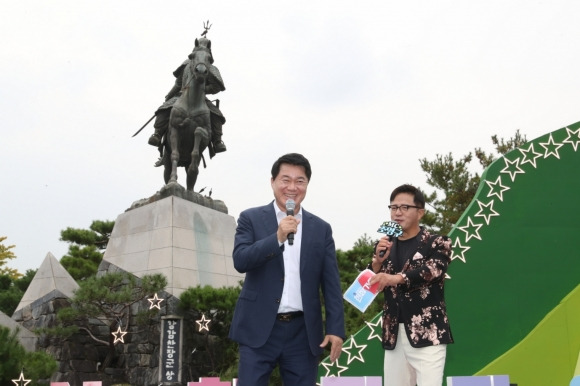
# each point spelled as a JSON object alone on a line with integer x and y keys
{"x": 292, "y": 159}
{"x": 418, "y": 197}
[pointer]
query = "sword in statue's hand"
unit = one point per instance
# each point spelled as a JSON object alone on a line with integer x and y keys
{"x": 142, "y": 127}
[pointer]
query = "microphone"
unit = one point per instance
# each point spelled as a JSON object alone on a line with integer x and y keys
{"x": 290, "y": 205}
{"x": 391, "y": 229}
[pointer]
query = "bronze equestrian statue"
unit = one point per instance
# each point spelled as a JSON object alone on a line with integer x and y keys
{"x": 188, "y": 122}
{"x": 189, "y": 127}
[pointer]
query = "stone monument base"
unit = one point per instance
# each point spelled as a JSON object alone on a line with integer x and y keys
{"x": 188, "y": 243}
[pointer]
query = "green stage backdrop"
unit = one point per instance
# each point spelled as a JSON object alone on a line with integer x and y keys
{"x": 513, "y": 292}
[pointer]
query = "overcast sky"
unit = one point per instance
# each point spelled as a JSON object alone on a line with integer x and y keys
{"x": 364, "y": 89}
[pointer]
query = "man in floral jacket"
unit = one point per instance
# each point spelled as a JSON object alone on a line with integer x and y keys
{"x": 411, "y": 273}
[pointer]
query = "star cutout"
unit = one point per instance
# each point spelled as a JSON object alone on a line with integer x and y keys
{"x": 373, "y": 327}
{"x": 551, "y": 147}
{"x": 21, "y": 381}
{"x": 512, "y": 167}
{"x": 463, "y": 249}
{"x": 471, "y": 230}
{"x": 486, "y": 211}
{"x": 203, "y": 323}
{"x": 530, "y": 158}
{"x": 352, "y": 345}
{"x": 573, "y": 138}
{"x": 155, "y": 302}
{"x": 333, "y": 368}
{"x": 494, "y": 190}
{"x": 119, "y": 335}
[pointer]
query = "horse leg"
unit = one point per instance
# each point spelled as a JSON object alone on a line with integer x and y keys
{"x": 173, "y": 141}
{"x": 166, "y": 167}
{"x": 201, "y": 139}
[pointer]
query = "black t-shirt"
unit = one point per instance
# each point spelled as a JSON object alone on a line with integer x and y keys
{"x": 403, "y": 250}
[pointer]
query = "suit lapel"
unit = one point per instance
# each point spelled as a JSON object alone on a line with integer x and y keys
{"x": 271, "y": 225}
{"x": 269, "y": 217}
{"x": 306, "y": 241}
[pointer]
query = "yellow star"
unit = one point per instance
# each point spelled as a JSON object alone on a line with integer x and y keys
{"x": 18, "y": 382}
{"x": 203, "y": 321}
{"x": 119, "y": 335}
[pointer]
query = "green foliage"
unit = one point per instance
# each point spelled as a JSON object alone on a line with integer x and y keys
{"x": 86, "y": 250}
{"x": 5, "y": 255}
{"x": 38, "y": 365}
{"x": 218, "y": 305}
{"x": 458, "y": 184}
{"x": 12, "y": 290}
{"x": 13, "y": 359}
{"x": 23, "y": 282}
{"x": 107, "y": 298}
{"x": 11, "y": 355}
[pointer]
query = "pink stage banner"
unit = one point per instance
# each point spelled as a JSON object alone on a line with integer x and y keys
{"x": 479, "y": 380}
{"x": 209, "y": 382}
{"x": 351, "y": 381}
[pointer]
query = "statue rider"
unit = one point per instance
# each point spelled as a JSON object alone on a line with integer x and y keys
{"x": 214, "y": 84}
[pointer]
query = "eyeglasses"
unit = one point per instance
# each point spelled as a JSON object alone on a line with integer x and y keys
{"x": 403, "y": 208}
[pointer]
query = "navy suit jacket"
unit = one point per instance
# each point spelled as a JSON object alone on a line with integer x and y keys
{"x": 258, "y": 255}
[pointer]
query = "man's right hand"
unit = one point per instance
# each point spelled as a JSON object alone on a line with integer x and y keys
{"x": 385, "y": 245}
{"x": 288, "y": 224}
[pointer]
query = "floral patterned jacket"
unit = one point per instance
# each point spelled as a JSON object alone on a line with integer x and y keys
{"x": 421, "y": 299}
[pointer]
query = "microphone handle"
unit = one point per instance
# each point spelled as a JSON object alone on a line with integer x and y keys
{"x": 290, "y": 238}
{"x": 382, "y": 253}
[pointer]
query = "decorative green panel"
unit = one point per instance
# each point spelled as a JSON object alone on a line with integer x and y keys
{"x": 515, "y": 259}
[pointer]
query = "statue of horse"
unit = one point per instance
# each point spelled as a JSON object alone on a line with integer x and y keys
{"x": 189, "y": 122}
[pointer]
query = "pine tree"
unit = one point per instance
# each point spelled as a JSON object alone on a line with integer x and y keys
{"x": 87, "y": 248}
{"x": 458, "y": 184}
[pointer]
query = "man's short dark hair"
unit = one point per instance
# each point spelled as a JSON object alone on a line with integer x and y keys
{"x": 292, "y": 159}
{"x": 418, "y": 197}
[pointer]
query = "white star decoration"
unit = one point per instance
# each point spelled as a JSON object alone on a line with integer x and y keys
{"x": 463, "y": 249}
{"x": 551, "y": 147}
{"x": 495, "y": 190}
{"x": 353, "y": 346}
{"x": 119, "y": 334}
{"x": 333, "y": 366}
{"x": 471, "y": 230}
{"x": 530, "y": 158}
{"x": 373, "y": 327}
{"x": 488, "y": 212}
{"x": 573, "y": 138}
{"x": 155, "y": 302}
{"x": 21, "y": 381}
{"x": 203, "y": 323}
{"x": 512, "y": 168}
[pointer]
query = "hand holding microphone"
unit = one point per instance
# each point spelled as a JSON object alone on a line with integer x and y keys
{"x": 289, "y": 224}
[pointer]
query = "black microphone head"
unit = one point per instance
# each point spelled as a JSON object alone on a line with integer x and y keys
{"x": 290, "y": 205}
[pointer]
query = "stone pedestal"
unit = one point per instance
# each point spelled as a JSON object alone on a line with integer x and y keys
{"x": 188, "y": 243}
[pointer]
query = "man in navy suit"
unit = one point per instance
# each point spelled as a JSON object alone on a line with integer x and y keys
{"x": 278, "y": 316}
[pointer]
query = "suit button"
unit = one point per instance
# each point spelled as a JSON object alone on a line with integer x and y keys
{"x": 282, "y": 279}
{"x": 277, "y": 300}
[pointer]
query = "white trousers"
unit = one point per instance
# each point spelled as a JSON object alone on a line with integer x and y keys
{"x": 409, "y": 366}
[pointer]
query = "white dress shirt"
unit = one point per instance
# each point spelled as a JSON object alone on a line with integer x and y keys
{"x": 291, "y": 294}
